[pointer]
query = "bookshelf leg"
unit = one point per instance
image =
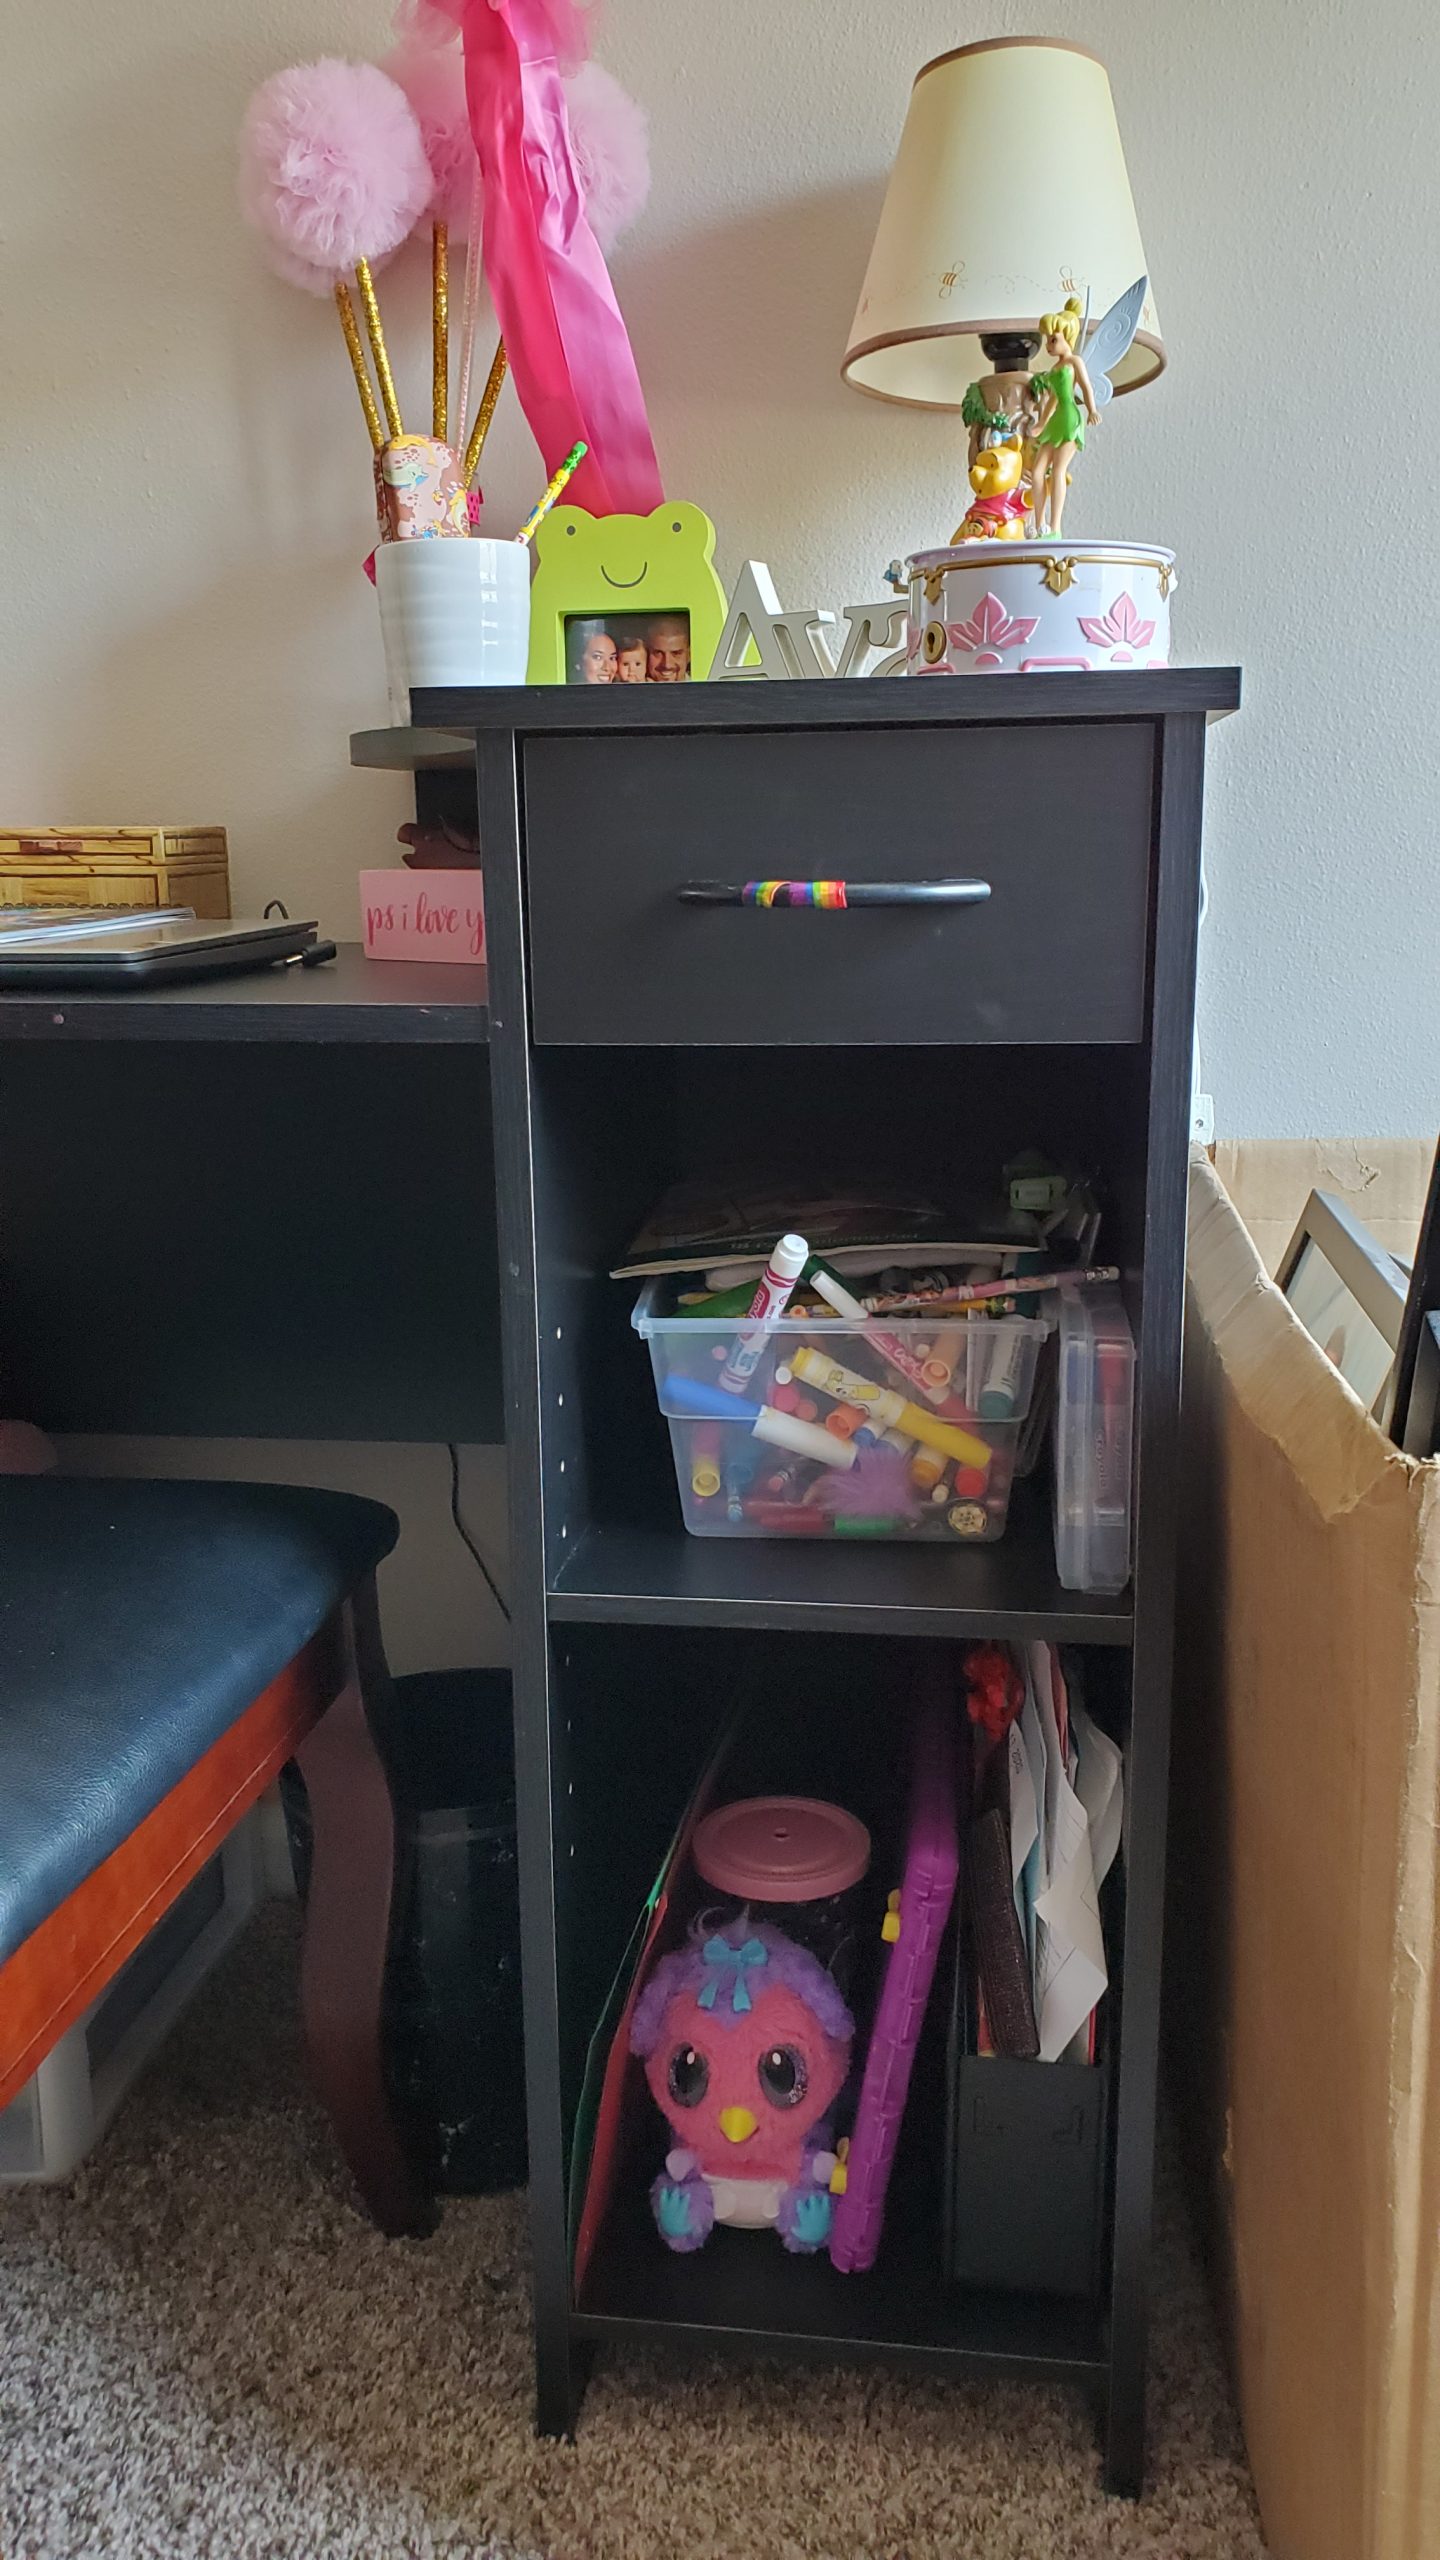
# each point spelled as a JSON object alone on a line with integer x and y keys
{"x": 562, "y": 2369}
{"x": 1124, "y": 2452}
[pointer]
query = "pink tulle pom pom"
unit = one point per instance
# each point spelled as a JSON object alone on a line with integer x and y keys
{"x": 332, "y": 168}
{"x": 608, "y": 129}
{"x": 877, "y": 1487}
{"x": 609, "y": 132}
{"x": 432, "y": 76}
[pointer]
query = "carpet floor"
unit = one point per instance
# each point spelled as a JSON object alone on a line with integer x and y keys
{"x": 204, "y": 2351}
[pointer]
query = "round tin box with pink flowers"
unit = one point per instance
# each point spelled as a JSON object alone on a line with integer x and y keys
{"x": 1022, "y": 608}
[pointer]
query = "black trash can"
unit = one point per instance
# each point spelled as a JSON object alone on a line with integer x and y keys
{"x": 454, "y": 2049}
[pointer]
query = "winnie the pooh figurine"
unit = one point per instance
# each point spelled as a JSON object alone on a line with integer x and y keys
{"x": 1001, "y": 502}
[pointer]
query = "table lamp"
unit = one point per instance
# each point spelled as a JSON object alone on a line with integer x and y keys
{"x": 1009, "y": 193}
{"x": 1008, "y": 281}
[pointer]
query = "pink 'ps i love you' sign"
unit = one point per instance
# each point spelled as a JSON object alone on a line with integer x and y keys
{"x": 423, "y": 915}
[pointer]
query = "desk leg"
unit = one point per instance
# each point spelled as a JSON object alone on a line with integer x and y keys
{"x": 347, "y": 1929}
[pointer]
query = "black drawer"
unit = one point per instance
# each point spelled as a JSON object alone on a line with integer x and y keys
{"x": 1056, "y": 818}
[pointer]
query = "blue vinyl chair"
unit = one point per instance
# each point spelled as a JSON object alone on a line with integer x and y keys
{"x": 165, "y": 1649}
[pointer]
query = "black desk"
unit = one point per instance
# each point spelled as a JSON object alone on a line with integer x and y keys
{"x": 257, "y": 1207}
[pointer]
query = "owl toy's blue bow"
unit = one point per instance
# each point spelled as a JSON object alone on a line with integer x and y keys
{"x": 734, "y": 1962}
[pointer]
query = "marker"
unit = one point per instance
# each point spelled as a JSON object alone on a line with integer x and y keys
{"x": 787, "y": 1519}
{"x": 836, "y": 1295}
{"x": 766, "y": 1307}
{"x": 944, "y": 1352}
{"x": 704, "y": 1461}
{"x": 805, "y": 1439}
{"x": 847, "y": 1387}
{"x": 688, "y": 1399}
{"x": 1006, "y": 1366}
{"x": 899, "y": 1354}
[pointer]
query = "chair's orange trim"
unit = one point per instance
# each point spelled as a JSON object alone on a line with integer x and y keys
{"x": 65, "y": 1964}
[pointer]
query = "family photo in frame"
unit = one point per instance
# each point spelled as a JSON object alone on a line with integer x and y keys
{"x": 651, "y": 648}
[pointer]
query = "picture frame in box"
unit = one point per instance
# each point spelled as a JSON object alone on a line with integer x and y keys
{"x": 1417, "y": 1426}
{"x": 1415, "y": 1405}
{"x": 1349, "y": 1294}
{"x": 625, "y": 599}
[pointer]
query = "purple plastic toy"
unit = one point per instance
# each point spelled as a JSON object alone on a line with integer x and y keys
{"x": 932, "y": 1865}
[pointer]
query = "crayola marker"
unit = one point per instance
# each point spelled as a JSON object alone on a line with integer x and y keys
{"x": 766, "y": 1307}
{"x": 888, "y": 1407}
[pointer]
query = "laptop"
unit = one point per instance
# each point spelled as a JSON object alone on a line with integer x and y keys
{"x": 118, "y": 949}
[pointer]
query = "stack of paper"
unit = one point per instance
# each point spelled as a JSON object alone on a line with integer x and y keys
{"x": 1066, "y": 1805}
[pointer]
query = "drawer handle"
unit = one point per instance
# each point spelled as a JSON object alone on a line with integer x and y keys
{"x": 834, "y": 893}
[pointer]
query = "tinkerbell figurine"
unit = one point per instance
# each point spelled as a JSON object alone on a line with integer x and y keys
{"x": 1064, "y": 389}
{"x": 1072, "y": 391}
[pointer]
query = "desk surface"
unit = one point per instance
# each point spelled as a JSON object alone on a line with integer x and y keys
{"x": 349, "y": 998}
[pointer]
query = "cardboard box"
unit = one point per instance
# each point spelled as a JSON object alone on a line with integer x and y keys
{"x": 1382, "y": 1179}
{"x": 1304, "y": 1946}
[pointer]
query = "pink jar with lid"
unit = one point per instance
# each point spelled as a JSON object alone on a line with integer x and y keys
{"x": 794, "y": 1861}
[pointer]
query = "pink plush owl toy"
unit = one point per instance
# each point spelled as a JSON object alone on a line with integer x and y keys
{"x": 746, "y": 2045}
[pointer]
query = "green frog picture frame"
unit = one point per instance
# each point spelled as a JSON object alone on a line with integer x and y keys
{"x": 625, "y": 599}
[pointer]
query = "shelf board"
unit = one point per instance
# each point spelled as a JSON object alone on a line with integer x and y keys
{"x": 1134, "y": 693}
{"x": 660, "y": 1576}
{"x": 348, "y": 998}
{"x": 745, "y": 2295}
{"x": 400, "y": 750}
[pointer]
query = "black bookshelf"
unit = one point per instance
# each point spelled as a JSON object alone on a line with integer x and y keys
{"x": 944, "y": 1043}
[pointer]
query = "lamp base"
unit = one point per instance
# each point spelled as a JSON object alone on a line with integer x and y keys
{"x": 1025, "y": 608}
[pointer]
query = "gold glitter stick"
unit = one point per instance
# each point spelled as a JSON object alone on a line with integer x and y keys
{"x": 351, "y": 327}
{"x": 376, "y": 334}
{"x": 485, "y": 412}
{"x": 440, "y": 331}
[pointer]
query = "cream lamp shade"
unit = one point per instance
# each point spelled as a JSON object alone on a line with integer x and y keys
{"x": 1008, "y": 194}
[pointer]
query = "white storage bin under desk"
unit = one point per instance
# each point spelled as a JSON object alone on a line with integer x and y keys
{"x": 60, "y": 2114}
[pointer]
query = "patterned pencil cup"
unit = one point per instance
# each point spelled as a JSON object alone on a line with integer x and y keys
{"x": 452, "y": 613}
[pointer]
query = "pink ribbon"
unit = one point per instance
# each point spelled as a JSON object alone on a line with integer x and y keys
{"x": 568, "y": 346}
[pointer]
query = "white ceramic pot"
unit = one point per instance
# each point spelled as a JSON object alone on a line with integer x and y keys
{"x": 452, "y": 612}
{"x": 1021, "y": 608}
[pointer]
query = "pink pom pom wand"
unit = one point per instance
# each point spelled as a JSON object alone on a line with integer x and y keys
{"x": 489, "y": 399}
{"x": 334, "y": 176}
{"x": 351, "y": 327}
{"x": 440, "y": 331}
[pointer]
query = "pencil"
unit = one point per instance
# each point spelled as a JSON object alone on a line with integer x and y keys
{"x": 542, "y": 507}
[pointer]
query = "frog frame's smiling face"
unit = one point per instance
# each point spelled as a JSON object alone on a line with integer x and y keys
{"x": 626, "y": 574}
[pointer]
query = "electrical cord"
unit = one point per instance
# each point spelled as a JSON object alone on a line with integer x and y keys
{"x": 463, "y": 1533}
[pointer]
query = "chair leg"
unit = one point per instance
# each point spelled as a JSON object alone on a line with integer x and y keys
{"x": 347, "y": 1928}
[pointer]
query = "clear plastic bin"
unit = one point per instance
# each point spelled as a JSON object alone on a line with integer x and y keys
{"x": 907, "y": 1428}
{"x": 1094, "y": 1420}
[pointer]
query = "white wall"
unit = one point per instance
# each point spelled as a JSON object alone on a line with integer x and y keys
{"x": 437, "y": 1612}
{"x": 186, "y": 633}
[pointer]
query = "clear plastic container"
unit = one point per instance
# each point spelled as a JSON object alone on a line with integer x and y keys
{"x": 1094, "y": 1421}
{"x": 905, "y": 1428}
